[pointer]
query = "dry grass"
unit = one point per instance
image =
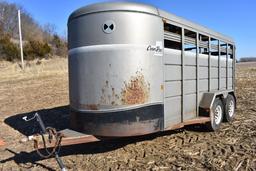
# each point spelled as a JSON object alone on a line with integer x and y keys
{"x": 33, "y": 69}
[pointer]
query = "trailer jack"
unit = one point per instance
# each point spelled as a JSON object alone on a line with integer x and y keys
{"x": 48, "y": 135}
{"x": 49, "y": 138}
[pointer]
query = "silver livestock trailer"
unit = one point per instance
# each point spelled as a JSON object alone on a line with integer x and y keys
{"x": 135, "y": 69}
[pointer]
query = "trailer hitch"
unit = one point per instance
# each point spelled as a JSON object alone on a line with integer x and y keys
{"x": 48, "y": 136}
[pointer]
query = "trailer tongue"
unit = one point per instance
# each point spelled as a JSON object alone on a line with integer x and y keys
{"x": 68, "y": 137}
{"x": 49, "y": 141}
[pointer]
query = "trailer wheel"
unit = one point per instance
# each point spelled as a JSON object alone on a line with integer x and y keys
{"x": 229, "y": 108}
{"x": 216, "y": 115}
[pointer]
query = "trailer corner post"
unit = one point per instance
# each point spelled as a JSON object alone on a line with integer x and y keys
{"x": 197, "y": 74}
{"x": 233, "y": 67}
{"x": 209, "y": 64}
{"x": 21, "y": 45}
{"x": 227, "y": 52}
{"x": 219, "y": 66}
{"x": 182, "y": 72}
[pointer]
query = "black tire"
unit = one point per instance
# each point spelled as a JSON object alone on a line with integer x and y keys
{"x": 216, "y": 115}
{"x": 230, "y": 104}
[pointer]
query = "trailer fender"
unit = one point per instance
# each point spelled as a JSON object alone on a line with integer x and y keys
{"x": 209, "y": 97}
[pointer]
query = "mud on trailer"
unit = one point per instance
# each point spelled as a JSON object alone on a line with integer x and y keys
{"x": 135, "y": 69}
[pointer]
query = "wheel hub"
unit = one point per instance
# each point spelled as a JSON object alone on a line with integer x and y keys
{"x": 218, "y": 115}
{"x": 231, "y": 108}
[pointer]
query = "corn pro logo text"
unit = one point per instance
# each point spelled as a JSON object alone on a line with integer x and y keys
{"x": 158, "y": 48}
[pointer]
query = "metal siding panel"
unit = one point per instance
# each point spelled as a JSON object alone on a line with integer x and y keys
{"x": 214, "y": 72}
{"x": 189, "y": 86}
{"x": 214, "y": 61}
{"x": 223, "y": 61}
{"x": 172, "y": 88}
{"x": 172, "y": 111}
{"x": 190, "y": 58}
{"x": 190, "y": 72}
{"x": 203, "y": 60}
{"x": 172, "y": 72}
{"x": 230, "y": 72}
{"x": 190, "y": 106}
{"x": 172, "y": 56}
{"x": 223, "y": 83}
{"x": 223, "y": 73}
{"x": 230, "y": 81}
{"x": 214, "y": 84}
{"x": 203, "y": 85}
{"x": 203, "y": 72}
{"x": 230, "y": 63}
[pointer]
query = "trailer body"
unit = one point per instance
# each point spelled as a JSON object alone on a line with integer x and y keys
{"x": 135, "y": 69}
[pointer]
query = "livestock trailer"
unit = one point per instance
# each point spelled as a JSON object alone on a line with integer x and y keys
{"x": 135, "y": 69}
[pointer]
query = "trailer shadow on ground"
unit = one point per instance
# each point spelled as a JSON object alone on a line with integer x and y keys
{"x": 58, "y": 118}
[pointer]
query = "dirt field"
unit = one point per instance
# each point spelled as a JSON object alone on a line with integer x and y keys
{"x": 44, "y": 87}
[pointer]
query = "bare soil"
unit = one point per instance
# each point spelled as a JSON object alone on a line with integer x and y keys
{"x": 43, "y": 87}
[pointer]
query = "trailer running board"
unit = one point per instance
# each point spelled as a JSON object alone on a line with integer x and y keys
{"x": 199, "y": 120}
{"x": 69, "y": 137}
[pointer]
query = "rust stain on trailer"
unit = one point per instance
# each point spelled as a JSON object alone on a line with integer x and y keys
{"x": 109, "y": 95}
{"x": 162, "y": 87}
{"x": 87, "y": 106}
{"x": 136, "y": 91}
{"x": 92, "y": 106}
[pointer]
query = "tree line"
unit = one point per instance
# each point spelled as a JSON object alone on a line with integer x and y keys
{"x": 39, "y": 41}
{"x": 248, "y": 59}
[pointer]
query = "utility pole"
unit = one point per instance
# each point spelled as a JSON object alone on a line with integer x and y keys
{"x": 21, "y": 46}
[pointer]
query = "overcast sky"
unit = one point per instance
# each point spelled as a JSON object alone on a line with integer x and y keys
{"x": 235, "y": 18}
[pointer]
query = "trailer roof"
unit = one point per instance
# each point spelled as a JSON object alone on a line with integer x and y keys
{"x": 114, "y": 6}
{"x": 143, "y": 8}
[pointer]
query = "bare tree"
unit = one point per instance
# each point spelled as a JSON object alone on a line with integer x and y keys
{"x": 49, "y": 30}
{"x": 37, "y": 38}
{"x": 9, "y": 22}
{"x": 8, "y": 18}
